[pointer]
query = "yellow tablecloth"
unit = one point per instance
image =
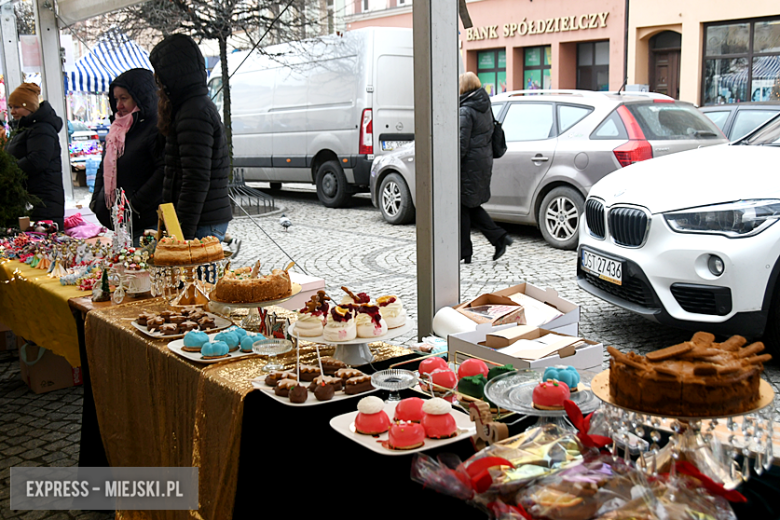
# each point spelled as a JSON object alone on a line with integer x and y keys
{"x": 36, "y": 308}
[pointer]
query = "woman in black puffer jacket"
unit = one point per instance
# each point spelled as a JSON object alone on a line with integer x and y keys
{"x": 476, "y": 167}
{"x": 196, "y": 155}
{"x": 137, "y": 164}
{"x": 37, "y": 150}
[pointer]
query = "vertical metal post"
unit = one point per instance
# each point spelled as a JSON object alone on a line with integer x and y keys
{"x": 435, "y": 29}
{"x": 53, "y": 83}
{"x": 12, "y": 64}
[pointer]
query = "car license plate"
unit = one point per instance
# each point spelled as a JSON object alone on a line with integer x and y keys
{"x": 603, "y": 267}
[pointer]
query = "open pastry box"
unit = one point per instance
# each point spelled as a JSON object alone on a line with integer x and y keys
{"x": 525, "y": 304}
{"x": 526, "y": 347}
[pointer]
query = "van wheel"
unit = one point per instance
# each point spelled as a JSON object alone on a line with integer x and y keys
{"x": 332, "y": 189}
{"x": 395, "y": 201}
{"x": 275, "y": 186}
{"x": 559, "y": 217}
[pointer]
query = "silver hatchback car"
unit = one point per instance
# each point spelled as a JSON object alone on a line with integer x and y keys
{"x": 560, "y": 142}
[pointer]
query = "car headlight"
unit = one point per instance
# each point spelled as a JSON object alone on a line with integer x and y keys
{"x": 738, "y": 219}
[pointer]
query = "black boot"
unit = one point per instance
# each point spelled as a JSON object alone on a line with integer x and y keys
{"x": 501, "y": 248}
{"x": 467, "y": 259}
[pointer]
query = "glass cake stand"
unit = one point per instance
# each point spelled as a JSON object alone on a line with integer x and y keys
{"x": 272, "y": 348}
{"x": 185, "y": 285}
{"x": 700, "y": 440}
{"x": 394, "y": 380}
{"x": 514, "y": 392}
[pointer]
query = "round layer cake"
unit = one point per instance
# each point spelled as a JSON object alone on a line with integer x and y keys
{"x": 697, "y": 378}
{"x": 243, "y": 286}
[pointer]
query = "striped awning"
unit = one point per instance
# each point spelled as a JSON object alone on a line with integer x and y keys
{"x": 114, "y": 54}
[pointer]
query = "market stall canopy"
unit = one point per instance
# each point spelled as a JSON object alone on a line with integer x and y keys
{"x": 72, "y": 11}
{"x": 114, "y": 54}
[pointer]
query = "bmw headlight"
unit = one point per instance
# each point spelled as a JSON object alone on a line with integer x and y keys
{"x": 738, "y": 219}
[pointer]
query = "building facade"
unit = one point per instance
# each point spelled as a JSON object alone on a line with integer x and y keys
{"x": 513, "y": 45}
{"x": 706, "y": 51}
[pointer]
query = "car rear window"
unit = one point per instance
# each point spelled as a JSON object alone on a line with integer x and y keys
{"x": 570, "y": 115}
{"x": 673, "y": 121}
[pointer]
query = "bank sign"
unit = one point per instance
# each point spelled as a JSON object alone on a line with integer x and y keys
{"x": 540, "y": 26}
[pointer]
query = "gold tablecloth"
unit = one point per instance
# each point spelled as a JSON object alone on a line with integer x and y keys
{"x": 36, "y": 307}
{"x": 156, "y": 409}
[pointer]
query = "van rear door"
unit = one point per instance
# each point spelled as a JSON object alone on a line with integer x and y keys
{"x": 393, "y": 102}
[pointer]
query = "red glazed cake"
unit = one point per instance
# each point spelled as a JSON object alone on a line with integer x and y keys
{"x": 406, "y": 436}
{"x": 409, "y": 409}
{"x": 430, "y": 364}
{"x": 472, "y": 367}
{"x": 438, "y": 421}
{"x": 371, "y": 418}
{"x": 550, "y": 395}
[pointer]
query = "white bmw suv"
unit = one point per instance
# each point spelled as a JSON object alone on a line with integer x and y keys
{"x": 691, "y": 239}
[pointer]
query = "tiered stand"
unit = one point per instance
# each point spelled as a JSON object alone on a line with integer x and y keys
{"x": 356, "y": 351}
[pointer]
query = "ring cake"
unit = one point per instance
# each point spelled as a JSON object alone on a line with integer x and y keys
{"x": 172, "y": 251}
{"x": 245, "y": 285}
{"x": 697, "y": 378}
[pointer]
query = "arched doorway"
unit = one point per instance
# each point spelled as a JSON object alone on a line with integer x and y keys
{"x": 664, "y": 63}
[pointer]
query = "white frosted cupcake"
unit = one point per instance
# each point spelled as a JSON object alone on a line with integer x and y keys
{"x": 392, "y": 311}
{"x": 308, "y": 325}
{"x": 369, "y": 321}
{"x": 341, "y": 325}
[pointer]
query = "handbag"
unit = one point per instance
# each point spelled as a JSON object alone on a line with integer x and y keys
{"x": 498, "y": 140}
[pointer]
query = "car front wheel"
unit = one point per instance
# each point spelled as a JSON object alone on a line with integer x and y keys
{"x": 559, "y": 217}
{"x": 395, "y": 201}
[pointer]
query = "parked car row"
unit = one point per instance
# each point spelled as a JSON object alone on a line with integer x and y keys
{"x": 559, "y": 144}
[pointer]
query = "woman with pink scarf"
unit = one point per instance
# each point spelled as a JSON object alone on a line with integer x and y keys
{"x": 133, "y": 156}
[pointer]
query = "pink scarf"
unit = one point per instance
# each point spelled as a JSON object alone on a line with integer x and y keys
{"x": 115, "y": 147}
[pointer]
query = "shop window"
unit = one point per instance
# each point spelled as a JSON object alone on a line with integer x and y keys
{"x": 741, "y": 62}
{"x": 536, "y": 68}
{"x": 491, "y": 70}
{"x": 593, "y": 65}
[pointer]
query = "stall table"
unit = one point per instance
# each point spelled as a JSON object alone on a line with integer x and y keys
{"x": 29, "y": 300}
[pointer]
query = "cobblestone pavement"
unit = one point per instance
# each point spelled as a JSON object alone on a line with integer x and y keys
{"x": 354, "y": 247}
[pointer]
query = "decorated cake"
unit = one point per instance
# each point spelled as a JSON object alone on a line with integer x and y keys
{"x": 406, "y": 436}
{"x": 371, "y": 418}
{"x": 216, "y": 350}
{"x": 409, "y": 409}
{"x": 550, "y": 395}
{"x": 472, "y": 367}
{"x": 392, "y": 311}
{"x": 697, "y": 378}
{"x": 313, "y": 317}
{"x": 341, "y": 325}
{"x": 354, "y": 299}
{"x": 369, "y": 322}
{"x": 438, "y": 421}
{"x": 172, "y": 251}
{"x": 246, "y": 285}
{"x": 568, "y": 375}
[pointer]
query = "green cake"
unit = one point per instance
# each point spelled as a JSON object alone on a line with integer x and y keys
{"x": 473, "y": 386}
{"x": 498, "y": 371}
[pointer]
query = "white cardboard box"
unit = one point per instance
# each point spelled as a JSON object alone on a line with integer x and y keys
{"x": 587, "y": 357}
{"x": 567, "y": 324}
{"x": 309, "y": 286}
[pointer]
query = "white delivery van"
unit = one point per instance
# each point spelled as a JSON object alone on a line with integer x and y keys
{"x": 319, "y": 110}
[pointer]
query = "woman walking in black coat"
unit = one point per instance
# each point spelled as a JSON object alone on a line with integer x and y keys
{"x": 196, "y": 155}
{"x": 133, "y": 159}
{"x": 476, "y": 168}
{"x": 37, "y": 150}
